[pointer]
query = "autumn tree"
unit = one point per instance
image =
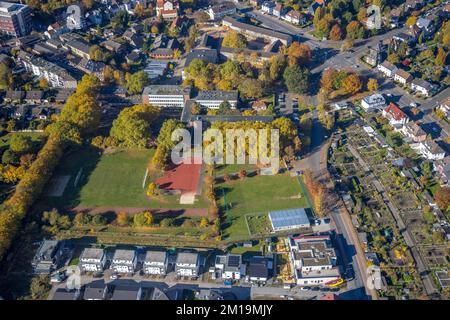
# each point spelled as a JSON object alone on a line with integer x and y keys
{"x": 234, "y": 39}
{"x": 142, "y": 219}
{"x": 242, "y": 174}
{"x": 352, "y": 84}
{"x": 123, "y": 219}
{"x": 137, "y": 81}
{"x": 442, "y": 197}
{"x": 299, "y": 54}
{"x": 372, "y": 85}
{"x": 6, "y": 77}
{"x": 441, "y": 57}
{"x": 336, "y": 33}
{"x": 226, "y": 177}
{"x": 83, "y": 111}
{"x": 132, "y": 126}
{"x": 204, "y": 223}
{"x": 355, "y": 30}
{"x": 297, "y": 79}
{"x": 411, "y": 21}
{"x": 277, "y": 64}
{"x": 20, "y": 144}
{"x": 151, "y": 189}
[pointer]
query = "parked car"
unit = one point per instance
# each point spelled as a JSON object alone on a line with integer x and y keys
{"x": 57, "y": 277}
{"x": 305, "y": 288}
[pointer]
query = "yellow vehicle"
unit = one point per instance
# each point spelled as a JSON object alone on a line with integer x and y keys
{"x": 335, "y": 283}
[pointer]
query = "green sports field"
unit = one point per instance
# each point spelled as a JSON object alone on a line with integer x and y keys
{"x": 109, "y": 180}
{"x": 257, "y": 194}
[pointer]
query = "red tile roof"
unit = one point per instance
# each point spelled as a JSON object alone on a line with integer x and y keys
{"x": 395, "y": 112}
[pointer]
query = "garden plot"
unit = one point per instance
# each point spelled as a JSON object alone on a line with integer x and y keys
{"x": 413, "y": 218}
{"x": 405, "y": 200}
{"x": 434, "y": 255}
{"x": 258, "y": 224}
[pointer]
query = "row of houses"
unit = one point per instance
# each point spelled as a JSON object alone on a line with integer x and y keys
{"x": 34, "y": 97}
{"x": 256, "y": 32}
{"x": 401, "y": 123}
{"x": 55, "y": 75}
{"x": 230, "y": 267}
{"x": 278, "y": 10}
{"x": 403, "y": 77}
{"x": 154, "y": 263}
{"x": 221, "y": 10}
{"x": 99, "y": 290}
{"x": 178, "y": 96}
{"x": 418, "y": 140}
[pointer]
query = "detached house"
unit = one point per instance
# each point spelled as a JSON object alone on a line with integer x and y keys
{"x": 423, "y": 87}
{"x": 426, "y": 25}
{"x": 413, "y": 131}
{"x": 97, "y": 290}
{"x": 221, "y": 10}
{"x": 387, "y": 68}
{"x": 14, "y": 96}
{"x": 92, "y": 260}
{"x": 442, "y": 168}
{"x": 35, "y": 97}
{"x": 47, "y": 257}
{"x": 278, "y": 11}
{"x": 258, "y": 271}
{"x": 402, "y": 76}
{"x": 124, "y": 261}
{"x": 314, "y": 260}
{"x": 268, "y": 7}
{"x": 187, "y": 264}
{"x": 373, "y": 102}
{"x": 429, "y": 150}
{"x": 155, "y": 263}
{"x": 316, "y": 4}
{"x": 230, "y": 266}
{"x": 397, "y": 118}
{"x": 295, "y": 17}
{"x": 127, "y": 292}
{"x": 167, "y": 9}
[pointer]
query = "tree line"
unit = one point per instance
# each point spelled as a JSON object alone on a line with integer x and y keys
{"x": 79, "y": 118}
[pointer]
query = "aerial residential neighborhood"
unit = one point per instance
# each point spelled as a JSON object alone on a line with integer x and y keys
{"x": 231, "y": 150}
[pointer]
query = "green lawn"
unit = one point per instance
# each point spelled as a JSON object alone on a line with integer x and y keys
{"x": 109, "y": 180}
{"x": 233, "y": 168}
{"x": 256, "y": 195}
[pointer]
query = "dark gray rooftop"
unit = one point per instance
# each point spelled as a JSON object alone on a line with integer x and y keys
{"x": 167, "y": 90}
{"x": 217, "y": 95}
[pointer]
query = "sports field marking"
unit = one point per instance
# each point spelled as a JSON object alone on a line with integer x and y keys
{"x": 145, "y": 179}
{"x": 77, "y": 177}
{"x": 187, "y": 198}
{"x": 57, "y": 186}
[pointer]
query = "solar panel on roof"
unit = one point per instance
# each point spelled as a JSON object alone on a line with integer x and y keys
{"x": 233, "y": 261}
{"x": 291, "y": 217}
